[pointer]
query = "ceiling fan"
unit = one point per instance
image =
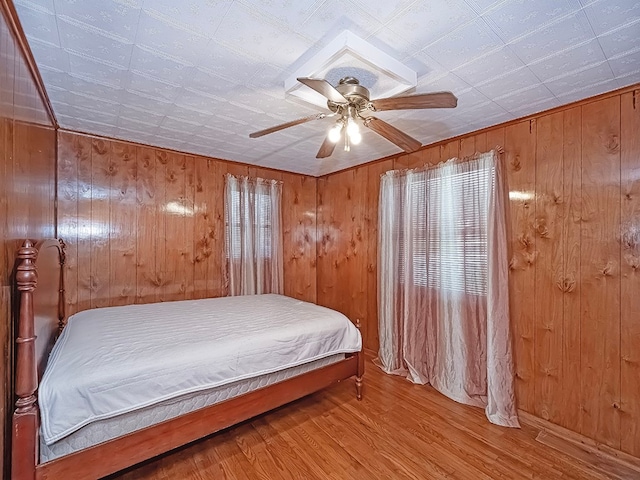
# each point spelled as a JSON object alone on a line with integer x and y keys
{"x": 349, "y": 101}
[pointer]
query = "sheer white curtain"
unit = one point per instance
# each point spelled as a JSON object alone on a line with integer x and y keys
{"x": 253, "y": 236}
{"x": 443, "y": 282}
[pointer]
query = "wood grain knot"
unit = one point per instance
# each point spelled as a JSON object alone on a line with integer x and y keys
{"x": 613, "y": 145}
{"x": 524, "y": 240}
{"x": 616, "y": 405}
{"x": 630, "y": 236}
{"x": 567, "y": 284}
{"x": 530, "y": 257}
{"x": 632, "y": 260}
{"x": 515, "y": 163}
{"x": 608, "y": 269}
{"x": 162, "y": 157}
{"x": 100, "y": 147}
{"x": 541, "y": 228}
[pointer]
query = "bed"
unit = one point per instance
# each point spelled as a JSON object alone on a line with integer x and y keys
{"x": 125, "y": 384}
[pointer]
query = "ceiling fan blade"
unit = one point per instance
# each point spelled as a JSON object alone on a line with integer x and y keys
{"x": 326, "y": 149}
{"x": 324, "y": 88}
{"x": 391, "y": 133}
{"x": 282, "y": 126}
{"x": 423, "y": 100}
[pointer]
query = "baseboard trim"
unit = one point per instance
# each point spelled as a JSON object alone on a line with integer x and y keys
{"x": 615, "y": 463}
{"x": 370, "y": 353}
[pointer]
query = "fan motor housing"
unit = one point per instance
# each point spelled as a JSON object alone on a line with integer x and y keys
{"x": 350, "y": 89}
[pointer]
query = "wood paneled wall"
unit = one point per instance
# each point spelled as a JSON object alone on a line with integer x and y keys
{"x": 574, "y": 178}
{"x": 27, "y": 188}
{"x": 144, "y": 224}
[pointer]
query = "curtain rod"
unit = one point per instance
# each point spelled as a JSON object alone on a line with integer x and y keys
{"x": 427, "y": 166}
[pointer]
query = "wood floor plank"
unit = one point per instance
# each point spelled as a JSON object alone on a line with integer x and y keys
{"x": 261, "y": 457}
{"x": 289, "y": 452}
{"x": 342, "y": 459}
{"x": 398, "y": 431}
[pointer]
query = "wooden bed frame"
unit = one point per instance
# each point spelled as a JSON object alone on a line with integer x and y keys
{"x": 46, "y": 318}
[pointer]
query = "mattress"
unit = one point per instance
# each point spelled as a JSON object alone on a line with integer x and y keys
{"x": 112, "y": 361}
{"x": 108, "y": 429}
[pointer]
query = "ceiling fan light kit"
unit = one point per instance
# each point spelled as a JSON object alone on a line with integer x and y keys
{"x": 335, "y": 132}
{"x": 353, "y": 132}
{"x": 349, "y": 100}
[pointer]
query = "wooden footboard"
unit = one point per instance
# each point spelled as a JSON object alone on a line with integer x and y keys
{"x": 125, "y": 451}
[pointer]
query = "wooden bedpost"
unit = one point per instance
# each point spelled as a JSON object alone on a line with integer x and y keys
{"x": 360, "y": 372}
{"x": 61, "y": 292}
{"x": 25, "y": 417}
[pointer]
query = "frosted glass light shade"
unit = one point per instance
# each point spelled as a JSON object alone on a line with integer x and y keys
{"x": 334, "y": 133}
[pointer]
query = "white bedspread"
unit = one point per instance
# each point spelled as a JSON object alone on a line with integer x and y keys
{"x": 114, "y": 360}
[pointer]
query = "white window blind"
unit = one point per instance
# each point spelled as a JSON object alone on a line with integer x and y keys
{"x": 260, "y": 224}
{"x": 447, "y": 215}
{"x": 253, "y": 237}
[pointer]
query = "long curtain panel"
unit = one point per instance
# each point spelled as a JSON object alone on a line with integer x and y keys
{"x": 443, "y": 295}
{"x": 253, "y": 229}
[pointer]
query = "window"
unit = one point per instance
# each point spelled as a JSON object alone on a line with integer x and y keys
{"x": 253, "y": 235}
{"x": 448, "y": 217}
{"x": 261, "y": 224}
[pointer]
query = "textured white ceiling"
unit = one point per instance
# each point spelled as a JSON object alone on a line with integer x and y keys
{"x": 200, "y": 75}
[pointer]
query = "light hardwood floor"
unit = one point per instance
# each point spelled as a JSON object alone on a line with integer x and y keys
{"x": 399, "y": 430}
